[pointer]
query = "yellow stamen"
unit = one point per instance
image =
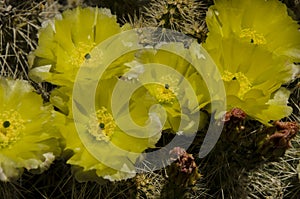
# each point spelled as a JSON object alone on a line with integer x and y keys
{"x": 245, "y": 84}
{"x": 253, "y": 36}
{"x": 166, "y": 92}
{"x": 102, "y": 126}
{"x": 164, "y": 95}
{"x": 80, "y": 53}
{"x": 172, "y": 81}
{"x": 11, "y": 126}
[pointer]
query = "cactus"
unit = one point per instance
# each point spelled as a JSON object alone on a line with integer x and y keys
{"x": 186, "y": 16}
{"x": 244, "y": 146}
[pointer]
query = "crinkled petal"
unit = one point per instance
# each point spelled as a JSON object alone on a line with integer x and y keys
{"x": 268, "y": 21}
{"x": 34, "y": 142}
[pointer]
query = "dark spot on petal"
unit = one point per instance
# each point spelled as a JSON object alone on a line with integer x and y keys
{"x": 6, "y": 124}
{"x": 251, "y": 41}
{"x": 102, "y": 125}
{"x": 87, "y": 56}
{"x": 234, "y": 78}
{"x": 167, "y": 86}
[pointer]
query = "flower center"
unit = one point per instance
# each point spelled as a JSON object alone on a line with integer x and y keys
{"x": 102, "y": 126}
{"x": 166, "y": 92}
{"x": 11, "y": 127}
{"x": 253, "y": 36}
{"x": 245, "y": 84}
{"x": 80, "y": 53}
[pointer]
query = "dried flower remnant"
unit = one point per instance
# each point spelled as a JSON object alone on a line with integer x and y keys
{"x": 183, "y": 171}
{"x": 276, "y": 143}
{"x": 235, "y": 115}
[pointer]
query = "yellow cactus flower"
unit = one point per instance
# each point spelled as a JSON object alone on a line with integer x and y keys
{"x": 100, "y": 146}
{"x": 27, "y": 136}
{"x": 252, "y": 77}
{"x": 65, "y": 43}
{"x": 177, "y": 85}
{"x": 257, "y": 22}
